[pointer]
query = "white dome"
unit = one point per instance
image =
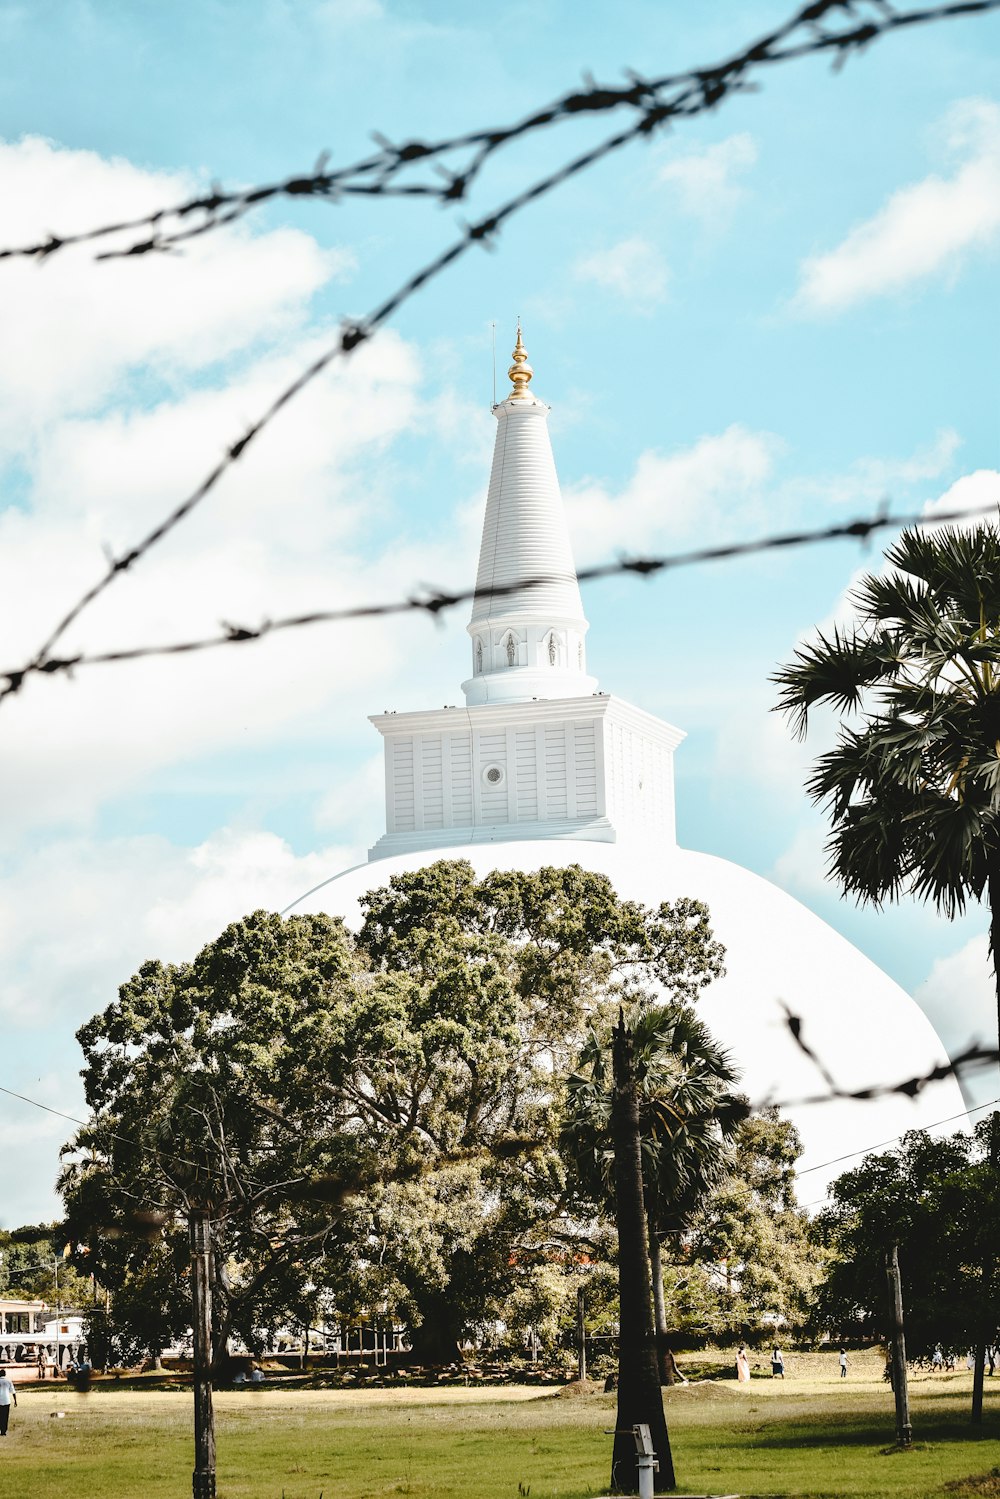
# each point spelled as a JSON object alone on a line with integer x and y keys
{"x": 863, "y": 1026}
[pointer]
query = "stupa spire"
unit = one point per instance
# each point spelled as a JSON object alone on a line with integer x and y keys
{"x": 527, "y": 643}
{"x": 520, "y": 372}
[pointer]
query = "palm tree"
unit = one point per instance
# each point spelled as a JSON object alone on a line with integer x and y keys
{"x": 647, "y": 1122}
{"x": 913, "y": 792}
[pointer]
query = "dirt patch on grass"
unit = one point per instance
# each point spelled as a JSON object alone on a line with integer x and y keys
{"x": 578, "y": 1387}
{"x": 982, "y": 1483}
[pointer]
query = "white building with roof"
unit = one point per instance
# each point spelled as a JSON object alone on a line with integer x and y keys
{"x": 540, "y": 767}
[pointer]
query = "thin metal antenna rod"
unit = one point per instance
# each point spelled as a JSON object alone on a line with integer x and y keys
{"x": 494, "y": 327}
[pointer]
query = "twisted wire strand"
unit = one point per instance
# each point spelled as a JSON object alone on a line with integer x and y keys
{"x": 435, "y": 602}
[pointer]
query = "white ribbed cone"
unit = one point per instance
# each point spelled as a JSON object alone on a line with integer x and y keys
{"x": 527, "y": 642}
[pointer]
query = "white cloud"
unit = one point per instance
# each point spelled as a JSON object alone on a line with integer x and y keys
{"x": 706, "y": 180}
{"x": 75, "y": 328}
{"x": 924, "y": 229}
{"x": 633, "y": 269}
{"x": 714, "y": 486}
{"x": 959, "y": 996}
{"x": 79, "y": 915}
{"x": 975, "y": 491}
{"x": 871, "y": 479}
{"x": 250, "y": 554}
{"x": 304, "y": 520}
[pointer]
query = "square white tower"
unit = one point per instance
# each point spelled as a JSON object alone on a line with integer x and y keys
{"x": 536, "y": 752}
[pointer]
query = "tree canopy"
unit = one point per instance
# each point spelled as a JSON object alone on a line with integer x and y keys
{"x": 380, "y": 1102}
{"x": 937, "y": 1200}
{"x": 913, "y": 792}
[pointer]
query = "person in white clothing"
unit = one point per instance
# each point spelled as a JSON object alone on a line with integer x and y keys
{"x": 7, "y": 1394}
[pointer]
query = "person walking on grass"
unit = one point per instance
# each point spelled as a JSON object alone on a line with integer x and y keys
{"x": 843, "y": 1363}
{"x": 7, "y": 1394}
{"x": 777, "y": 1364}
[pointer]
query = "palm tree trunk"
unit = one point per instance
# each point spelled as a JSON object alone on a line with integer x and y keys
{"x": 989, "y": 1259}
{"x": 993, "y": 892}
{"x": 639, "y": 1397}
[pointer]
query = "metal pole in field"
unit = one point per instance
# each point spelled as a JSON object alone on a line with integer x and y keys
{"x": 55, "y": 1267}
{"x": 904, "y": 1431}
{"x": 203, "y": 1477}
{"x": 581, "y": 1335}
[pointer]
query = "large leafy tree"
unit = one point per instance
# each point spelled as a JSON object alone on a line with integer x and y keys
{"x": 495, "y": 983}
{"x": 194, "y": 1076}
{"x": 373, "y": 1108}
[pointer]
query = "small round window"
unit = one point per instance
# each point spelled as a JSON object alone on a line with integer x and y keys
{"x": 493, "y": 775}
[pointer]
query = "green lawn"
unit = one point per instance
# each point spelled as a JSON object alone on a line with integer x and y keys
{"x": 811, "y": 1436}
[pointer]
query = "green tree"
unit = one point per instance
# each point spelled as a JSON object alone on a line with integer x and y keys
{"x": 751, "y": 1231}
{"x": 35, "y": 1265}
{"x": 689, "y": 1114}
{"x": 913, "y": 793}
{"x": 493, "y": 985}
{"x": 937, "y": 1200}
{"x": 193, "y": 1077}
{"x": 381, "y": 1102}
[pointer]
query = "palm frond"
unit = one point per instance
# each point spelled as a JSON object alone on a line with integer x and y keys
{"x": 835, "y": 670}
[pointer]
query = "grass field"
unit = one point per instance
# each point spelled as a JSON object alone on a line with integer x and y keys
{"x": 811, "y": 1436}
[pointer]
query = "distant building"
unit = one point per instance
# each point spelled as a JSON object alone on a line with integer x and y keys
{"x": 27, "y": 1327}
{"x": 20, "y": 1317}
{"x": 538, "y": 766}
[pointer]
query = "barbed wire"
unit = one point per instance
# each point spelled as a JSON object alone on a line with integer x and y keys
{"x": 694, "y": 92}
{"x": 974, "y": 1058}
{"x": 655, "y": 100}
{"x": 435, "y": 602}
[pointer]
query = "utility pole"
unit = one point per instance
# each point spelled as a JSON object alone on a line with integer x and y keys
{"x": 203, "y": 1477}
{"x": 904, "y": 1431}
{"x": 987, "y": 1271}
{"x": 55, "y": 1268}
{"x": 581, "y": 1336}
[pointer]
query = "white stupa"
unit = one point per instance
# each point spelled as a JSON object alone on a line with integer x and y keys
{"x": 539, "y": 767}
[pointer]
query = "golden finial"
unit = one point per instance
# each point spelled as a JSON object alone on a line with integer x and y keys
{"x": 520, "y": 371}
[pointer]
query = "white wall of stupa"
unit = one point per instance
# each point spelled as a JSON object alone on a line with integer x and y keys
{"x": 539, "y": 766}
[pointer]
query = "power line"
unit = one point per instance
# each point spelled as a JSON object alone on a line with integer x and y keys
{"x": 972, "y": 1055}
{"x": 112, "y": 1134}
{"x": 435, "y": 601}
{"x": 851, "y": 1154}
{"x": 656, "y": 101}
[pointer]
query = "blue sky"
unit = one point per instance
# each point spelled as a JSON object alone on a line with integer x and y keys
{"x": 772, "y": 316}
